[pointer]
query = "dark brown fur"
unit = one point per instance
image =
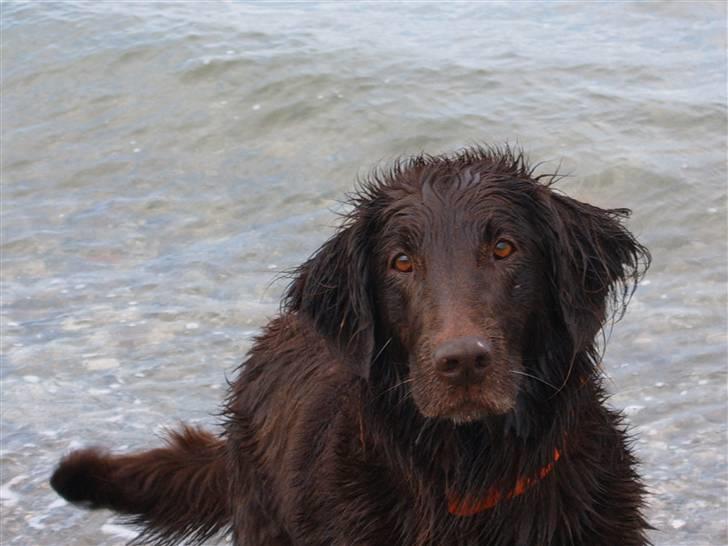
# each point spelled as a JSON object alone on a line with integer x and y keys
{"x": 340, "y": 430}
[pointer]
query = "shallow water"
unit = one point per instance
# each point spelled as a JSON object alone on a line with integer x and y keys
{"x": 162, "y": 164}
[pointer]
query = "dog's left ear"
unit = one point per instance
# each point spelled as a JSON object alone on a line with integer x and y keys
{"x": 596, "y": 263}
{"x": 332, "y": 289}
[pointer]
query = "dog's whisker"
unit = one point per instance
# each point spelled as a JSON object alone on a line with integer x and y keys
{"x": 541, "y": 380}
{"x": 381, "y": 350}
{"x": 399, "y": 384}
{"x": 394, "y": 387}
{"x": 425, "y": 423}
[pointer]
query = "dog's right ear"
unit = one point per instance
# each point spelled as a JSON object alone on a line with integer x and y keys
{"x": 332, "y": 289}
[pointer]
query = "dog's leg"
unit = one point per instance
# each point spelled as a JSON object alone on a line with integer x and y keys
{"x": 176, "y": 492}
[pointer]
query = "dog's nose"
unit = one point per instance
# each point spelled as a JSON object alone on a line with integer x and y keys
{"x": 463, "y": 360}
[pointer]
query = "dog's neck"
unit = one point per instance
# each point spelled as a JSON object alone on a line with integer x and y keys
{"x": 535, "y": 427}
{"x": 472, "y": 467}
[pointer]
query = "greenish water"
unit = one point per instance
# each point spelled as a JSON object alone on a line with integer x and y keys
{"x": 163, "y": 163}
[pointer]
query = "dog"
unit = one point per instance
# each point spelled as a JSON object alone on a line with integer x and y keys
{"x": 432, "y": 379}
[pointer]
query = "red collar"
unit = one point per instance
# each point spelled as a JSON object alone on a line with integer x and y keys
{"x": 468, "y": 505}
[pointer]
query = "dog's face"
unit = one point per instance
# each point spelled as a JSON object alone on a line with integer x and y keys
{"x": 467, "y": 282}
{"x": 459, "y": 283}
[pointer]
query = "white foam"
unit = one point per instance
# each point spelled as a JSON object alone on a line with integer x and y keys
{"x": 8, "y": 497}
{"x": 35, "y": 522}
{"x": 58, "y": 503}
{"x": 633, "y": 410}
{"x": 118, "y": 531}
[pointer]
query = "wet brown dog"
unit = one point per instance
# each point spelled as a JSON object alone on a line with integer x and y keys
{"x": 432, "y": 380}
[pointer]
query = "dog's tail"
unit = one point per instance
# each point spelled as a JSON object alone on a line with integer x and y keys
{"x": 176, "y": 492}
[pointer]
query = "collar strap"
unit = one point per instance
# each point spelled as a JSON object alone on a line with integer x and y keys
{"x": 468, "y": 505}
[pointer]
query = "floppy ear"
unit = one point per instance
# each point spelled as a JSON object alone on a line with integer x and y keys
{"x": 332, "y": 289}
{"x": 596, "y": 263}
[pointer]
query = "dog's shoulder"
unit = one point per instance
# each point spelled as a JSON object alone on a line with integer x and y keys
{"x": 291, "y": 395}
{"x": 289, "y": 349}
{"x": 291, "y": 373}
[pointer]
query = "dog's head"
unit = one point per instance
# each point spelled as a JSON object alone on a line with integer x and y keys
{"x": 464, "y": 277}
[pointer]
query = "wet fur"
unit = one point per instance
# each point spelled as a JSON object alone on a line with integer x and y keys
{"x": 336, "y": 429}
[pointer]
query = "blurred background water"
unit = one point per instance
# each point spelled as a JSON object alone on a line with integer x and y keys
{"x": 163, "y": 163}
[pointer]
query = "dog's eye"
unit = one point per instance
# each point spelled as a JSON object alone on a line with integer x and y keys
{"x": 503, "y": 249}
{"x": 402, "y": 263}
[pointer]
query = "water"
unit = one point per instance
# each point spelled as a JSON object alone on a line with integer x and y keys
{"x": 162, "y": 164}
